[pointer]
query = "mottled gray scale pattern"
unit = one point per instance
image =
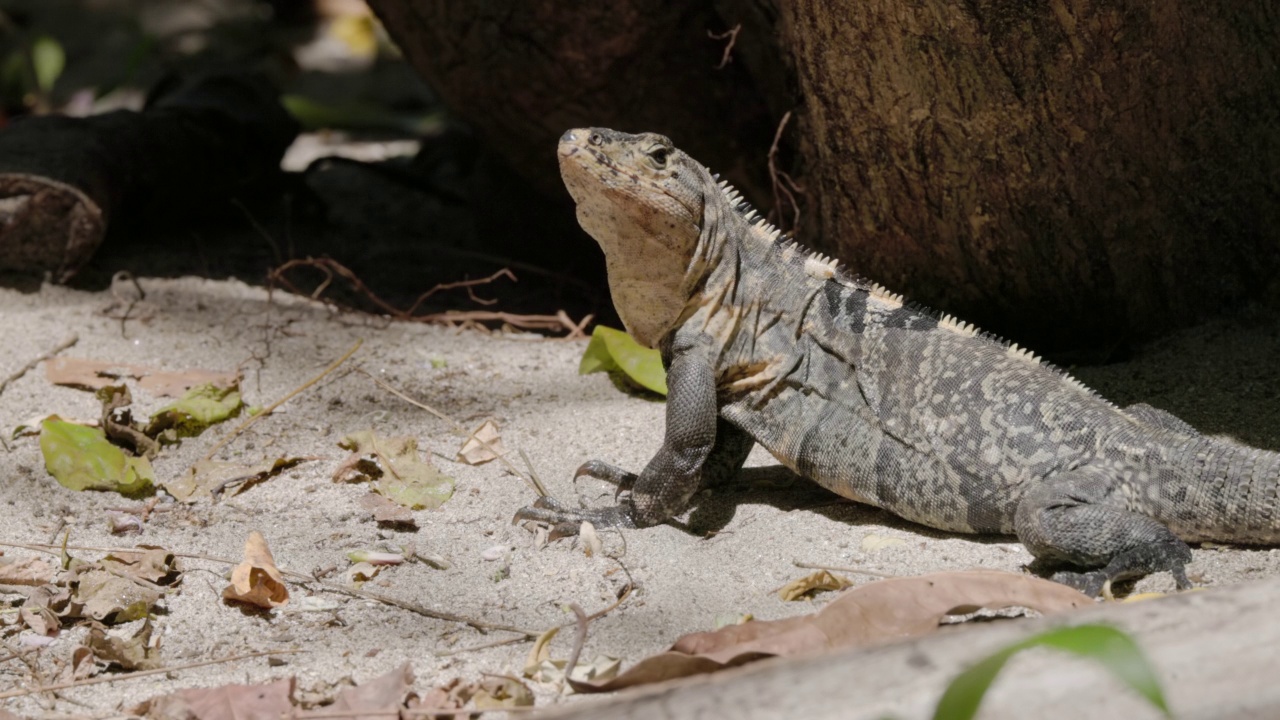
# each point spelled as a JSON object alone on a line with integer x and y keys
{"x": 881, "y": 402}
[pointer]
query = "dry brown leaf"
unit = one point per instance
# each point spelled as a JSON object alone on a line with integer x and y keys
{"x": 30, "y": 571}
{"x": 133, "y": 652}
{"x": 106, "y": 596}
{"x": 83, "y": 663}
{"x": 482, "y": 445}
{"x": 386, "y": 511}
{"x": 39, "y": 618}
{"x": 257, "y": 580}
{"x": 150, "y": 564}
{"x": 97, "y": 374}
{"x": 229, "y": 702}
{"x": 209, "y": 477}
{"x": 874, "y": 613}
{"x": 383, "y": 695}
{"x": 540, "y": 651}
{"x": 809, "y": 585}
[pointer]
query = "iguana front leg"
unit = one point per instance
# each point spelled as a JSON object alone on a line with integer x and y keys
{"x": 698, "y": 448}
{"x": 1075, "y": 519}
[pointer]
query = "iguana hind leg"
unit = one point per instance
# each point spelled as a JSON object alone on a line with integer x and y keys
{"x": 1073, "y": 519}
{"x": 698, "y": 447}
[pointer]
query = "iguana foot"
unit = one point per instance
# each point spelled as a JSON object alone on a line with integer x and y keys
{"x": 612, "y": 474}
{"x": 565, "y": 520}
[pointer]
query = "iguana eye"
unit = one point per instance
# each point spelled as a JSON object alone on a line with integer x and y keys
{"x": 659, "y": 156}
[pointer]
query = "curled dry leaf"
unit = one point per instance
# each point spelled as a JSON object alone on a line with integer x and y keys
{"x": 111, "y": 598}
{"x": 257, "y": 580}
{"x": 809, "y": 585}
{"x": 484, "y": 444}
{"x": 874, "y": 613}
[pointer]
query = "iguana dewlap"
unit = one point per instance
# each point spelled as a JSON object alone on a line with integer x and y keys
{"x": 876, "y": 400}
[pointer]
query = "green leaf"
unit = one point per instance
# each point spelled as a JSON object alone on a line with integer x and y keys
{"x": 47, "y": 62}
{"x": 399, "y": 473}
{"x": 200, "y": 407}
{"x": 1114, "y": 649}
{"x": 614, "y": 351}
{"x": 80, "y": 458}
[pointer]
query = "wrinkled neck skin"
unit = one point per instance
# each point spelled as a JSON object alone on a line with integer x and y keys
{"x": 654, "y": 273}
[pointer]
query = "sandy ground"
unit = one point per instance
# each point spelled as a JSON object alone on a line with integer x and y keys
{"x": 1219, "y": 376}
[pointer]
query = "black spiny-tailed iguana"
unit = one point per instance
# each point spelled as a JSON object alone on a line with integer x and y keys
{"x": 889, "y": 405}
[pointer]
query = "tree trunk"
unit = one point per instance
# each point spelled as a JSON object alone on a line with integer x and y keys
{"x": 1063, "y": 171}
{"x": 1066, "y": 173}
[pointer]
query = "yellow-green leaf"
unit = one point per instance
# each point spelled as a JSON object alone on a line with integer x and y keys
{"x": 397, "y": 470}
{"x": 47, "y": 62}
{"x": 614, "y": 351}
{"x": 200, "y": 407}
{"x": 80, "y": 458}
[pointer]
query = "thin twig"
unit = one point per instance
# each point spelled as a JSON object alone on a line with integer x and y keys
{"x": 783, "y": 185}
{"x": 837, "y": 568}
{"x": 332, "y": 268}
{"x": 72, "y": 340}
{"x": 732, "y": 35}
{"x": 268, "y": 409}
{"x": 143, "y": 673}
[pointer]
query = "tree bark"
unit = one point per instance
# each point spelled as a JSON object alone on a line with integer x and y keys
{"x": 1063, "y": 171}
{"x": 1067, "y": 173}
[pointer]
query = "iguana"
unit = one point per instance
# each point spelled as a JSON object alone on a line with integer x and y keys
{"x": 875, "y": 399}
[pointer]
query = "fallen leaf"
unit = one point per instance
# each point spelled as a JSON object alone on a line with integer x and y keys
{"x": 383, "y": 695}
{"x": 83, "y": 663}
{"x": 39, "y": 618}
{"x": 540, "y": 652}
{"x": 872, "y": 543}
{"x": 229, "y": 702}
{"x": 809, "y": 585}
{"x": 878, "y": 612}
{"x": 149, "y": 563}
{"x": 27, "y": 571}
{"x": 256, "y": 580}
{"x": 197, "y": 409}
{"x": 132, "y": 652}
{"x": 31, "y": 426}
{"x": 496, "y": 692}
{"x": 110, "y": 598}
{"x": 385, "y": 511}
{"x": 615, "y": 352}
{"x": 396, "y": 469}
{"x": 375, "y": 557}
{"x": 482, "y": 445}
{"x": 95, "y": 374}
{"x": 80, "y": 458}
{"x": 209, "y": 477}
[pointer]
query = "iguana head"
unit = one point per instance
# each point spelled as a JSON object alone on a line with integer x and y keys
{"x": 646, "y": 203}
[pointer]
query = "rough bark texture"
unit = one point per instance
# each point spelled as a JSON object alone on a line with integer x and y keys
{"x": 1067, "y": 173}
{"x": 524, "y": 72}
{"x": 1062, "y": 171}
